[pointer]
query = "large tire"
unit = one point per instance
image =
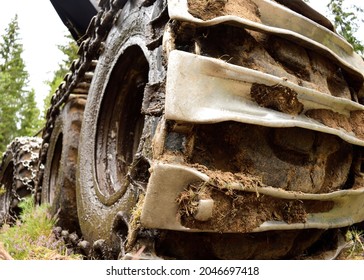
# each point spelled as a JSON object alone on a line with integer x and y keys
{"x": 59, "y": 183}
{"x": 18, "y": 173}
{"x": 113, "y": 133}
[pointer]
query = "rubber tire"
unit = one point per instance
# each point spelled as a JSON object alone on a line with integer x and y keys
{"x": 98, "y": 208}
{"x": 18, "y": 172}
{"x": 59, "y": 183}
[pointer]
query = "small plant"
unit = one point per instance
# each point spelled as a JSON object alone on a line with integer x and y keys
{"x": 31, "y": 237}
{"x": 2, "y": 190}
{"x": 356, "y": 239}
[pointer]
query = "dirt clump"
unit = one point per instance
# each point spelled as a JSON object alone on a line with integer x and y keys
{"x": 241, "y": 211}
{"x": 277, "y": 97}
{"x": 231, "y": 213}
{"x": 207, "y": 9}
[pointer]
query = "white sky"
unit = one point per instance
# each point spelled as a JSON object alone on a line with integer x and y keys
{"x": 320, "y": 5}
{"x": 42, "y": 30}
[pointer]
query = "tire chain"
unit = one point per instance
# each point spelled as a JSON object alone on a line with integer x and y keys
{"x": 78, "y": 80}
{"x": 77, "y": 245}
{"x": 74, "y": 244}
{"x": 24, "y": 152}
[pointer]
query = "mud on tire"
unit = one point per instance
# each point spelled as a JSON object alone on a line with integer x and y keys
{"x": 59, "y": 183}
{"x": 112, "y": 161}
{"x": 18, "y": 172}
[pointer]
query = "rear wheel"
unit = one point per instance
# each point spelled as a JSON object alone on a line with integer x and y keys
{"x": 18, "y": 172}
{"x": 59, "y": 183}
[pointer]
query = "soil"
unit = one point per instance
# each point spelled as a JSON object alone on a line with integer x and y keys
{"x": 238, "y": 211}
{"x": 356, "y": 121}
{"x": 268, "y": 54}
{"x": 262, "y": 52}
{"x": 278, "y": 97}
{"x": 337, "y": 120}
{"x": 293, "y": 159}
{"x": 207, "y": 9}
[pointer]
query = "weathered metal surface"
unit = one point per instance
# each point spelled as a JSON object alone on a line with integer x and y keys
{"x": 284, "y": 23}
{"x": 160, "y": 209}
{"x": 218, "y": 91}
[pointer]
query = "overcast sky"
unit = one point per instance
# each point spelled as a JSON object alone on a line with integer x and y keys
{"x": 41, "y": 31}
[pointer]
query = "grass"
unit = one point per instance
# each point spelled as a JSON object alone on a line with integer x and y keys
{"x": 31, "y": 238}
{"x": 355, "y": 250}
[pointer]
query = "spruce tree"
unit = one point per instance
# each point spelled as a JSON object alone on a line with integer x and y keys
{"x": 29, "y": 115}
{"x": 19, "y": 115}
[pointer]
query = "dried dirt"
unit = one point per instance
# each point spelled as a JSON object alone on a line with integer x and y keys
{"x": 207, "y": 9}
{"x": 263, "y": 52}
{"x": 277, "y": 97}
{"x": 357, "y": 121}
{"x": 340, "y": 121}
{"x": 238, "y": 211}
{"x": 293, "y": 159}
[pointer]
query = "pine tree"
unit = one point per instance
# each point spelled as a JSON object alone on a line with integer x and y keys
{"x": 18, "y": 112}
{"x": 29, "y": 115}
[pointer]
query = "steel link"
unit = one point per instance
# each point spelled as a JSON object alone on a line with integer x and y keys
{"x": 16, "y": 150}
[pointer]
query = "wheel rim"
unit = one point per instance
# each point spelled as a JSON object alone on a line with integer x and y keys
{"x": 120, "y": 124}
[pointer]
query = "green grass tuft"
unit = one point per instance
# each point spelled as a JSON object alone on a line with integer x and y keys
{"x": 31, "y": 237}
